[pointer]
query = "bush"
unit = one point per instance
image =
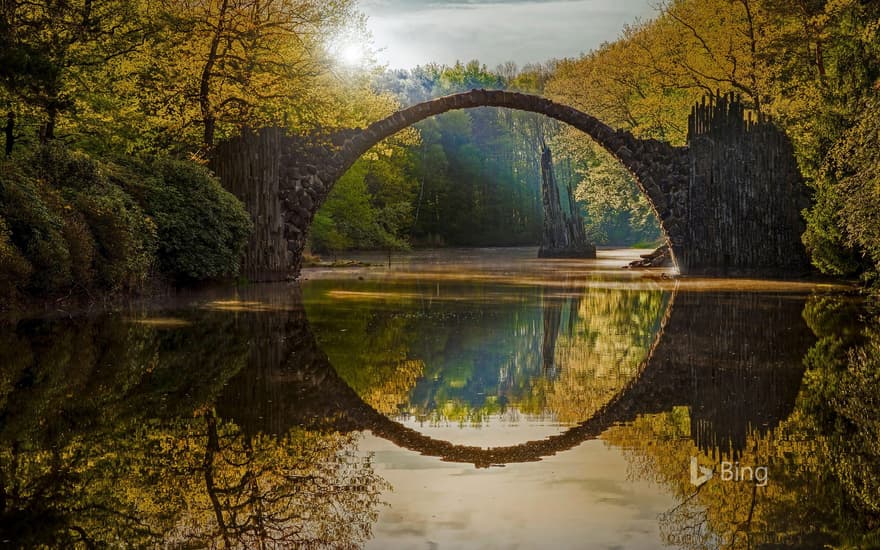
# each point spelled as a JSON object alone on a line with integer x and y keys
{"x": 857, "y": 162}
{"x": 69, "y": 221}
{"x": 202, "y": 228}
{"x": 35, "y": 229}
{"x": 65, "y": 169}
{"x": 81, "y": 246}
{"x": 824, "y": 237}
{"x": 843, "y": 226}
{"x": 126, "y": 238}
{"x": 123, "y": 238}
{"x": 71, "y": 225}
{"x": 14, "y": 268}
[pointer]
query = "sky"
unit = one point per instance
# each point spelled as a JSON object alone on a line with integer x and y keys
{"x": 415, "y": 32}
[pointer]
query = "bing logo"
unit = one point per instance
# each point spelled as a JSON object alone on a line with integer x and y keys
{"x": 729, "y": 471}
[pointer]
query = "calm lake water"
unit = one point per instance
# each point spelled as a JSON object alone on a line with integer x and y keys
{"x": 458, "y": 399}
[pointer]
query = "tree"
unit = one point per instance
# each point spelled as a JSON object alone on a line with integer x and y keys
{"x": 823, "y": 62}
{"x": 51, "y": 51}
{"x": 223, "y": 64}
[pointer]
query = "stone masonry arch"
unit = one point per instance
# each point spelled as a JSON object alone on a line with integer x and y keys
{"x": 659, "y": 169}
{"x": 728, "y": 203}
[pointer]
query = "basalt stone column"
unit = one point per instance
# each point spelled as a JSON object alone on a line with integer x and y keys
{"x": 564, "y": 235}
{"x": 280, "y": 180}
{"x": 250, "y": 167}
{"x": 745, "y": 195}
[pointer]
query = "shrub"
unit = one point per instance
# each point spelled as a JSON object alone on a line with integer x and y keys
{"x": 65, "y": 169}
{"x": 856, "y": 160}
{"x": 72, "y": 225}
{"x": 14, "y": 268}
{"x": 202, "y": 228}
{"x": 70, "y": 221}
{"x": 123, "y": 243}
{"x": 35, "y": 229}
{"x": 825, "y": 237}
{"x": 843, "y": 226}
{"x": 126, "y": 238}
{"x": 81, "y": 245}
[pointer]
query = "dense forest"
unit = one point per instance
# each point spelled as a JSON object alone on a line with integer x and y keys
{"x": 112, "y": 110}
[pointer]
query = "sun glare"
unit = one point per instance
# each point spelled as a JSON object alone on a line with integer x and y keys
{"x": 351, "y": 54}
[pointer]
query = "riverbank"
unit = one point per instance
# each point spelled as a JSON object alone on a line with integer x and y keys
{"x": 76, "y": 227}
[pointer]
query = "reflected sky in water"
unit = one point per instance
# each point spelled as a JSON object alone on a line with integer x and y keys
{"x": 584, "y": 498}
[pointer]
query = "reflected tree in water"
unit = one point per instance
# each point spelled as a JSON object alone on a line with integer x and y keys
{"x": 302, "y": 490}
{"x": 605, "y": 337}
{"x": 823, "y": 457}
{"x": 554, "y": 353}
{"x": 108, "y": 438}
{"x": 840, "y": 397}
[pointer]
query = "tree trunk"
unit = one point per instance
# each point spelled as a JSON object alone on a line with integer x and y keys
{"x": 207, "y": 109}
{"x": 47, "y": 131}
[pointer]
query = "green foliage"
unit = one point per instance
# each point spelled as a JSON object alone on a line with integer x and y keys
{"x": 368, "y": 208}
{"x": 123, "y": 238}
{"x": 326, "y": 235}
{"x": 35, "y": 228}
{"x": 854, "y": 163}
{"x": 14, "y": 267}
{"x": 840, "y": 394}
{"x": 202, "y": 228}
{"x": 475, "y": 172}
{"x": 347, "y": 219}
{"x": 72, "y": 223}
{"x": 478, "y": 170}
{"x": 616, "y": 211}
{"x": 827, "y": 102}
{"x": 824, "y": 237}
{"x": 53, "y": 53}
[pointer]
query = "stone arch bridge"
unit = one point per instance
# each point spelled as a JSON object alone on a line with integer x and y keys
{"x": 728, "y": 202}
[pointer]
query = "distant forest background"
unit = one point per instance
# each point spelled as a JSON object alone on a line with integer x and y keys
{"x": 473, "y": 177}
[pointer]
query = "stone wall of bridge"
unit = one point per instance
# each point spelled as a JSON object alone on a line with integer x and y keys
{"x": 728, "y": 203}
{"x": 745, "y": 195}
{"x": 281, "y": 180}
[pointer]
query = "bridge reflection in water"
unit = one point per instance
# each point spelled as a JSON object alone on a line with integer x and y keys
{"x": 734, "y": 360}
{"x": 233, "y": 421}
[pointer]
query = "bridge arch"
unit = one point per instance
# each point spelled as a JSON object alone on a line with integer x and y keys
{"x": 659, "y": 169}
{"x": 728, "y": 203}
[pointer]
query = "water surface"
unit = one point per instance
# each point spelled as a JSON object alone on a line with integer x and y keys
{"x": 456, "y": 399}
